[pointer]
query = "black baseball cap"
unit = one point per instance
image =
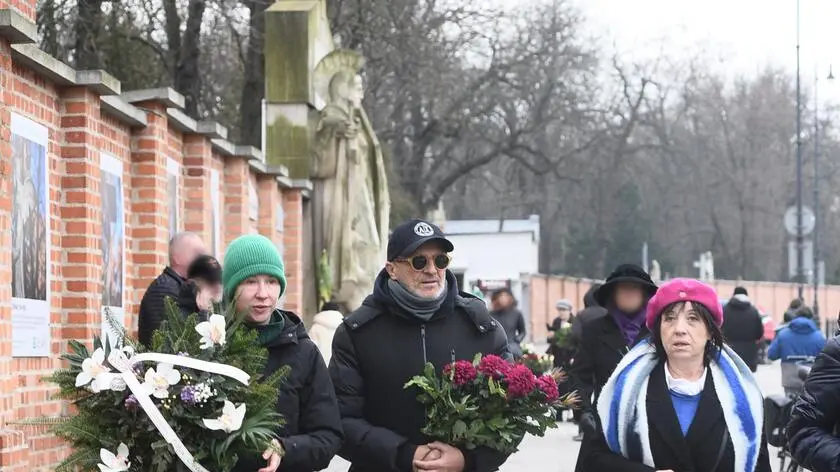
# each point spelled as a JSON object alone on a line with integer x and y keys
{"x": 206, "y": 268}
{"x": 407, "y": 237}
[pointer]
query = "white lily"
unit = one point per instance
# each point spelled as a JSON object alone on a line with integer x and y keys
{"x": 157, "y": 382}
{"x": 94, "y": 372}
{"x": 212, "y": 331}
{"x": 231, "y": 419}
{"x": 114, "y": 463}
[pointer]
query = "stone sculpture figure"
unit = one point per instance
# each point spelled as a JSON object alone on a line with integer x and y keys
{"x": 351, "y": 190}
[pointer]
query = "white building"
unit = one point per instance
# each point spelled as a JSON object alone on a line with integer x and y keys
{"x": 490, "y": 254}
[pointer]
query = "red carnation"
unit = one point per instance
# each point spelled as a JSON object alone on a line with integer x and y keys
{"x": 520, "y": 381}
{"x": 548, "y": 387}
{"x": 464, "y": 372}
{"x": 494, "y": 366}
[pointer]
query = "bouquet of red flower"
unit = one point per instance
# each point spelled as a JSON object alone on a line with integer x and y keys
{"x": 539, "y": 364}
{"x": 488, "y": 402}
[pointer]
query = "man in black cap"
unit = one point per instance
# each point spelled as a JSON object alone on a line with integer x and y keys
{"x": 606, "y": 339}
{"x": 415, "y": 315}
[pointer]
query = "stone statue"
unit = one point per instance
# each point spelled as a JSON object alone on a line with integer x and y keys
{"x": 351, "y": 188}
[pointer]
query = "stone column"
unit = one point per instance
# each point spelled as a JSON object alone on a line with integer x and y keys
{"x": 198, "y": 160}
{"x": 236, "y": 201}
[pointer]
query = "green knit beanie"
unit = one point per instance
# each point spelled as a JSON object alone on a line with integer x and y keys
{"x": 247, "y": 256}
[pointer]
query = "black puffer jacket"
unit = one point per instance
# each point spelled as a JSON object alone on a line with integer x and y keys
{"x": 378, "y": 349}
{"x": 312, "y": 433}
{"x": 152, "y": 306}
{"x": 812, "y": 430}
{"x": 592, "y": 310}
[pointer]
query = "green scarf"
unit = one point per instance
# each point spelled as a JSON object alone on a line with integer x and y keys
{"x": 271, "y": 333}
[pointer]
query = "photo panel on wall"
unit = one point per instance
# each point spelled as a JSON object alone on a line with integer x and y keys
{"x": 30, "y": 239}
{"x": 113, "y": 243}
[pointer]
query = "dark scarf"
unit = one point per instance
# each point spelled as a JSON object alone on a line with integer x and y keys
{"x": 423, "y": 308}
{"x": 629, "y": 325}
{"x": 270, "y": 334}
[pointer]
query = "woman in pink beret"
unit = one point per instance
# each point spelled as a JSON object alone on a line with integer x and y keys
{"x": 681, "y": 400}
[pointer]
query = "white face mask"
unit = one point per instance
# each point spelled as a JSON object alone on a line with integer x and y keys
{"x": 685, "y": 387}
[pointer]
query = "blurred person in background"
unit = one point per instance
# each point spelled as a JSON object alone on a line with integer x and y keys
{"x": 607, "y": 339}
{"x": 742, "y": 327}
{"x": 201, "y": 293}
{"x": 799, "y": 339}
{"x": 504, "y": 311}
{"x": 323, "y": 328}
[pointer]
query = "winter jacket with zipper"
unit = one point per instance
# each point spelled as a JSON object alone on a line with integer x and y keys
{"x": 311, "y": 433}
{"x": 378, "y": 349}
{"x": 742, "y": 328}
{"x": 812, "y": 431}
{"x": 153, "y": 307}
{"x": 800, "y": 337}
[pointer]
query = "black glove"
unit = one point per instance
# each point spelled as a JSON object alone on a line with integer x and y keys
{"x": 588, "y": 424}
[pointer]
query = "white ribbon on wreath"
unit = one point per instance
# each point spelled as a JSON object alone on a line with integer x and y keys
{"x": 124, "y": 360}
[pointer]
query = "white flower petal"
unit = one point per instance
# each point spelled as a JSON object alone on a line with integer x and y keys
{"x": 150, "y": 375}
{"x": 122, "y": 450}
{"x": 215, "y": 425}
{"x": 107, "y": 457}
{"x": 203, "y": 329}
{"x": 83, "y": 378}
{"x": 172, "y": 377}
{"x": 161, "y": 393}
{"x": 98, "y": 356}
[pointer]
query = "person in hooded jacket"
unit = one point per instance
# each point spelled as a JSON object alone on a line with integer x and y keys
{"x": 416, "y": 315}
{"x": 323, "y": 328}
{"x": 591, "y": 310}
{"x": 607, "y": 339}
{"x": 815, "y": 417}
{"x": 742, "y": 327}
{"x": 801, "y": 337}
{"x": 311, "y": 433}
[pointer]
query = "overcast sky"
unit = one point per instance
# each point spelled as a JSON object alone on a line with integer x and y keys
{"x": 748, "y": 34}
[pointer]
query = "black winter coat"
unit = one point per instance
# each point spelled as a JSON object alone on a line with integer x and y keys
{"x": 601, "y": 348}
{"x": 812, "y": 430}
{"x": 152, "y": 306}
{"x": 742, "y": 328}
{"x": 513, "y": 323}
{"x": 311, "y": 433}
{"x": 380, "y": 347}
{"x": 697, "y": 451}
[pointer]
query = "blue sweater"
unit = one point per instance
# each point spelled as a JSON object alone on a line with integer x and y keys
{"x": 686, "y": 407}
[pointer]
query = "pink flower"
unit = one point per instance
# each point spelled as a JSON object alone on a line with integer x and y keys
{"x": 494, "y": 366}
{"x": 520, "y": 382}
{"x": 548, "y": 387}
{"x": 464, "y": 372}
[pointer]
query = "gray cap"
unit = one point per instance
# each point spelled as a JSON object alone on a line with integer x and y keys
{"x": 564, "y": 303}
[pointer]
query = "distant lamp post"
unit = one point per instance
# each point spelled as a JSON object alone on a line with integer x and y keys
{"x": 816, "y": 251}
{"x": 800, "y": 239}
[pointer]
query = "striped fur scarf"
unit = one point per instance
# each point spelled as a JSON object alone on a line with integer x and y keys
{"x": 623, "y": 412}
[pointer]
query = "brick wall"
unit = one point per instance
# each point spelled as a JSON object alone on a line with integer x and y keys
{"x": 93, "y": 127}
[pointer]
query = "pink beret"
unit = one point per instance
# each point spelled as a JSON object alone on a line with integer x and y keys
{"x": 683, "y": 290}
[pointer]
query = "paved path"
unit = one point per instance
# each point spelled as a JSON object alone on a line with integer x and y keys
{"x": 556, "y": 452}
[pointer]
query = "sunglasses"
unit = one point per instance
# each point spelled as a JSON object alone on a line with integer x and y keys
{"x": 441, "y": 261}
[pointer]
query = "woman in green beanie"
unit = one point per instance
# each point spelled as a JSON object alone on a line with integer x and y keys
{"x": 254, "y": 281}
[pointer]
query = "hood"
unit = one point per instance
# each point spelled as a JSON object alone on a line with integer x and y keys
{"x": 589, "y": 297}
{"x": 738, "y": 302}
{"x": 382, "y": 298}
{"x": 329, "y": 319}
{"x": 802, "y": 326}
